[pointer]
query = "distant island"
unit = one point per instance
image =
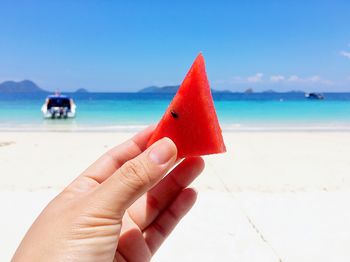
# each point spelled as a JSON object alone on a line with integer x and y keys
{"x": 81, "y": 90}
{"x": 156, "y": 89}
{"x": 172, "y": 90}
{"x": 27, "y": 87}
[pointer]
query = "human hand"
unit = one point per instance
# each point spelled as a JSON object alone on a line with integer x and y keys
{"x": 119, "y": 209}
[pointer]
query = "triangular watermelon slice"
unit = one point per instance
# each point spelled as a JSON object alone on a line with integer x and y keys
{"x": 190, "y": 120}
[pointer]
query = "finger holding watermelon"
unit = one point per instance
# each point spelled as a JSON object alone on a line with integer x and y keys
{"x": 122, "y": 207}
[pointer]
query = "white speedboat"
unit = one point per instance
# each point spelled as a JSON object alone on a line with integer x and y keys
{"x": 314, "y": 96}
{"x": 58, "y": 106}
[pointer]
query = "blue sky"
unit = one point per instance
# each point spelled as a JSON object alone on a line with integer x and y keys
{"x": 127, "y": 45}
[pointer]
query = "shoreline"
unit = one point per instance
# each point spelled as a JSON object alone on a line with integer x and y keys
{"x": 255, "y": 161}
{"x": 135, "y": 128}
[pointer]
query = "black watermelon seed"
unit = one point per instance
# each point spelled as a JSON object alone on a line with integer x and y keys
{"x": 174, "y": 114}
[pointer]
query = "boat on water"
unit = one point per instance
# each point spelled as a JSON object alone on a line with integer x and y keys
{"x": 58, "y": 106}
{"x": 314, "y": 96}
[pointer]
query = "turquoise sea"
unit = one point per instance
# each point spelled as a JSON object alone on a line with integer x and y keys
{"x": 129, "y": 111}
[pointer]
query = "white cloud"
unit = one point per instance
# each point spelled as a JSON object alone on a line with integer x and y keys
{"x": 258, "y": 78}
{"x": 297, "y": 79}
{"x": 311, "y": 79}
{"x": 277, "y": 78}
{"x": 237, "y": 79}
{"x": 255, "y": 78}
{"x": 294, "y": 78}
{"x": 314, "y": 79}
{"x": 318, "y": 79}
{"x": 345, "y": 54}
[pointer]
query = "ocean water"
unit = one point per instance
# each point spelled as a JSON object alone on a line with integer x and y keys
{"x": 129, "y": 111}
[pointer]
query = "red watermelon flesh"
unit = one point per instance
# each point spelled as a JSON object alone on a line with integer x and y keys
{"x": 190, "y": 120}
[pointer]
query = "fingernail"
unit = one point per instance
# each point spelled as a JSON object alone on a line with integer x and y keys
{"x": 162, "y": 151}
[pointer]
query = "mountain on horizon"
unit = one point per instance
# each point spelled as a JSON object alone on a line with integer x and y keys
{"x": 157, "y": 89}
{"x": 172, "y": 90}
{"x": 25, "y": 86}
{"x": 29, "y": 87}
{"x": 81, "y": 90}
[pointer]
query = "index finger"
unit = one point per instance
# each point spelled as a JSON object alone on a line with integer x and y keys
{"x": 113, "y": 159}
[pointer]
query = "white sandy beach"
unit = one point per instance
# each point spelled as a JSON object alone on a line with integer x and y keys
{"x": 274, "y": 196}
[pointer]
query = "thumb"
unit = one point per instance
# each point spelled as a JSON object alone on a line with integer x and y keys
{"x": 136, "y": 176}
